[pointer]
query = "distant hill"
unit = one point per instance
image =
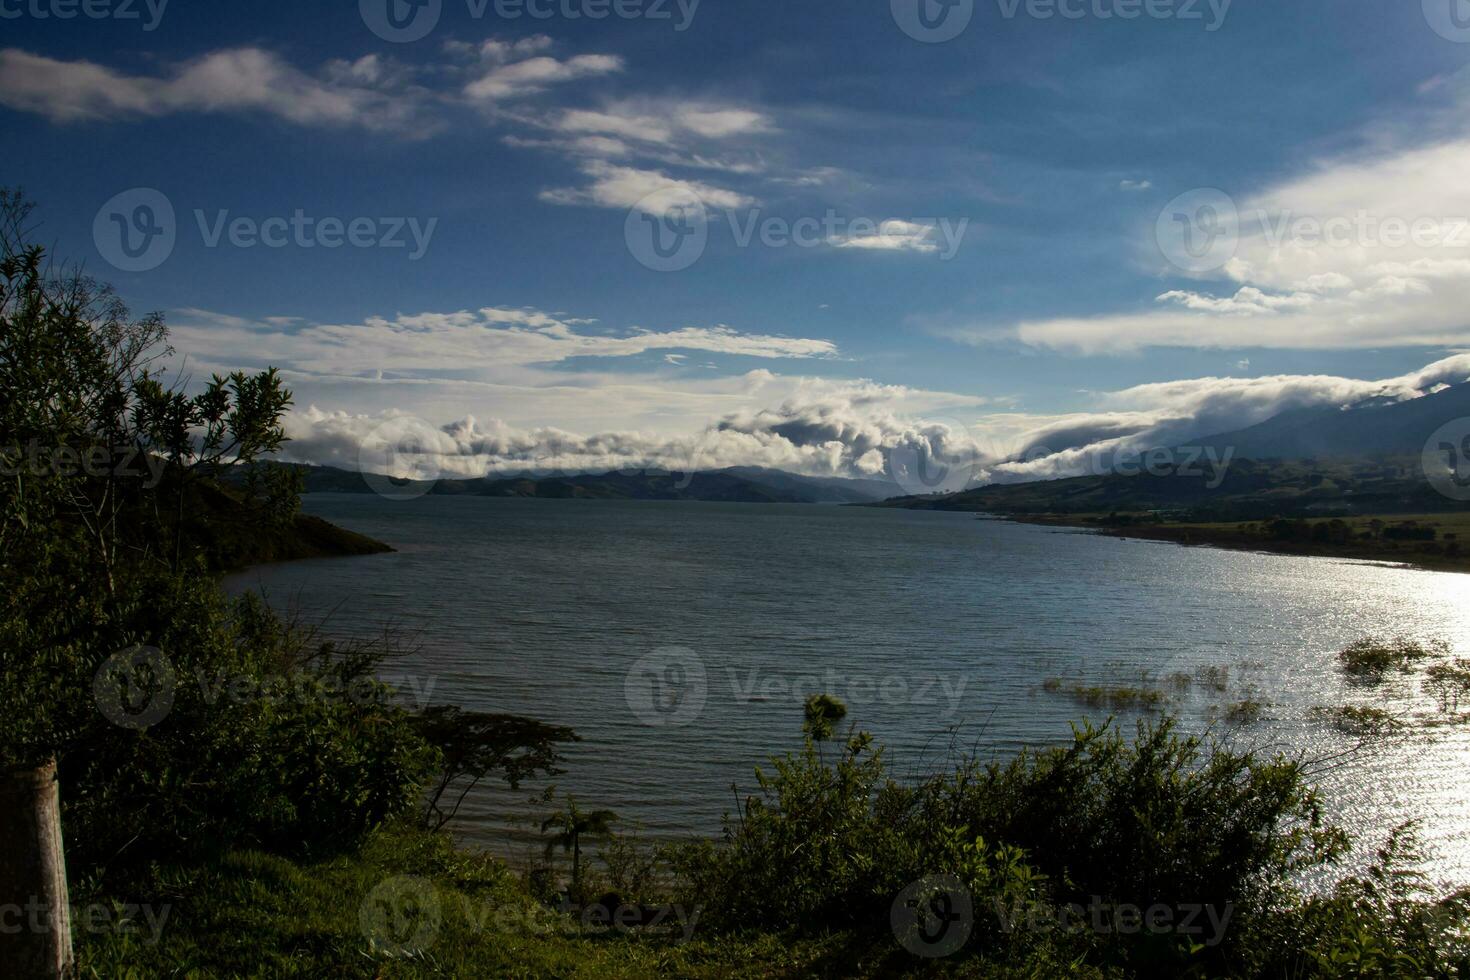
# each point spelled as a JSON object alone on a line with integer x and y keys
{"x": 823, "y": 489}
{"x": 1250, "y": 490}
{"x": 1319, "y": 461}
{"x": 1373, "y": 428}
{"x": 737, "y": 484}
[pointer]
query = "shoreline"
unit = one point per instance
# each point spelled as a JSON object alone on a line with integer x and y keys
{"x": 1236, "y": 537}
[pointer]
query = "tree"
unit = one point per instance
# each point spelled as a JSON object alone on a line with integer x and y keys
{"x": 95, "y": 444}
{"x": 474, "y": 744}
{"x": 575, "y": 824}
{"x": 98, "y": 457}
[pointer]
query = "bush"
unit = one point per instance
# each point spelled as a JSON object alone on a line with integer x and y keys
{"x": 1370, "y": 659}
{"x": 1161, "y": 820}
{"x": 272, "y": 739}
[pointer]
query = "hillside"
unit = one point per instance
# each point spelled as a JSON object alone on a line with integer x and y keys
{"x": 1250, "y": 490}
{"x": 1373, "y": 428}
{"x": 233, "y": 536}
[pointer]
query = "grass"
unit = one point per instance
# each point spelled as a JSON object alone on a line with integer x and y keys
{"x": 409, "y": 905}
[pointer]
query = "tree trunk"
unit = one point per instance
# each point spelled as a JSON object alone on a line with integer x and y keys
{"x": 35, "y": 918}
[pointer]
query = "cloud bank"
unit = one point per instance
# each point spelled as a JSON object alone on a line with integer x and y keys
{"x": 858, "y": 429}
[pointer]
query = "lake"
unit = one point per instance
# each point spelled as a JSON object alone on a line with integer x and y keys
{"x": 681, "y": 639}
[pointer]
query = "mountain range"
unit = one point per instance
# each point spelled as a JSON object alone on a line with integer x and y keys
{"x": 1359, "y": 459}
{"x": 737, "y": 484}
{"x": 1372, "y": 428}
{"x": 1364, "y": 459}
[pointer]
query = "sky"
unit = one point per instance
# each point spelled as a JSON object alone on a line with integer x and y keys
{"x": 505, "y": 235}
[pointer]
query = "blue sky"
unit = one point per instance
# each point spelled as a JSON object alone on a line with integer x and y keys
{"x": 1053, "y": 143}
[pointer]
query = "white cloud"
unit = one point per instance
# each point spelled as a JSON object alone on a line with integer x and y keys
{"x": 372, "y": 92}
{"x": 1170, "y": 413}
{"x": 1370, "y": 250}
{"x": 614, "y": 186}
{"x": 823, "y": 427}
{"x": 663, "y": 121}
{"x": 368, "y": 92}
{"x": 1135, "y": 185}
{"x": 895, "y": 236}
{"x": 819, "y": 428}
{"x": 522, "y": 78}
{"x": 487, "y": 344}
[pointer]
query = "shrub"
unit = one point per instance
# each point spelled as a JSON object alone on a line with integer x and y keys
{"x": 1360, "y": 720}
{"x": 1161, "y": 819}
{"x": 1448, "y": 682}
{"x": 1370, "y": 659}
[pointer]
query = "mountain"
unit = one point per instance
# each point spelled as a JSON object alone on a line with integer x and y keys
{"x": 1365, "y": 459}
{"x": 1374, "y": 428}
{"x": 737, "y": 484}
{"x": 823, "y": 489}
{"x": 619, "y": 486}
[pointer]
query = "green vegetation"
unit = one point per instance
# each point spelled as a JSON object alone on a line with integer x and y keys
{"x": 1119, "y": 697}
{"x": 806, "y": 879}
{"x": 1246, "y": 711}
{"x": 821, "y": 716}
{"x": 574, "y": 825}
{"x": 1152, "y": 696}
{"x": 1360, "y": 721}
{"x": 1371, "y": 659}
{"x": 1449, "y": 683}
{"x": 254, "y": 913}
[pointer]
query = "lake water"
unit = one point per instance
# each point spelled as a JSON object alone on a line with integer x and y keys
{"x": 681, "y": 639}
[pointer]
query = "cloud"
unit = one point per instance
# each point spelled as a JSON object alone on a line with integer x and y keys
{"x": 369, "y": 92}
{"x": 654, "y": 133}
{"x": 1171, "y": 413}
{"x": 1365, "y": 250}
{"x": 664, "y": 122}
{"x": 895, "y": 236}
{"x": 497, "y": 78}
{"x": 372, "y": 92}
{"x": 822, "y": 428}
{"x": 1135, "y": 185}
{"x": 488, "y": 344}
{"x": 653, "y": 191}
{"x": 533, "y": 75}
{"x": 864, "y": 429}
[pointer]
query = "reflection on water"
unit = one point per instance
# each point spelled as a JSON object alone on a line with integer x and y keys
{"x": 939, "y": 630}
